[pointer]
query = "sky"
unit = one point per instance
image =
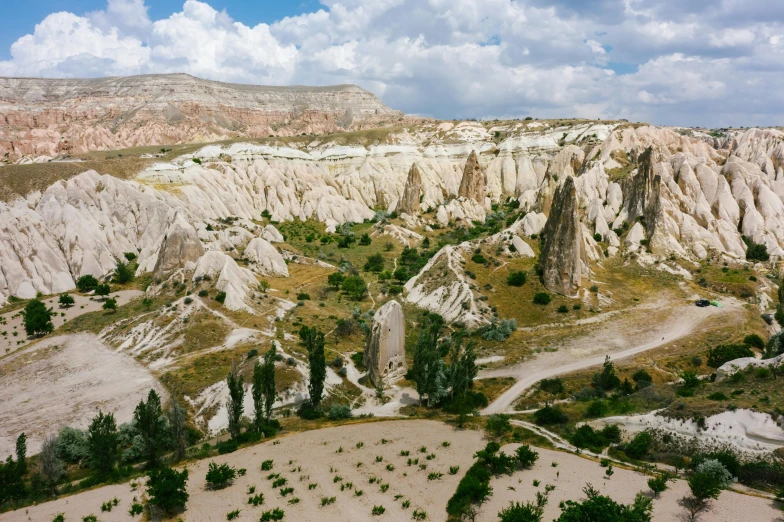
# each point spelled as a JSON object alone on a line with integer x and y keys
{"x": 667, "y": 62}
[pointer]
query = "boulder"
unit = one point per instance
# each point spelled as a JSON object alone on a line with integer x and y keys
{"x": 409, "y": 201}
{"x": 473, "y": 184}
{"x": 272, "y": 234}
{"x": 522, "y": 248}
{"x": 385, "y": 354}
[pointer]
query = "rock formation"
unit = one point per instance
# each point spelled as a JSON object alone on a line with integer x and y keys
{"x": 409, "y": 201}
{"x": 385, "y": 353}
{"x": 237, "y": 282}
{"x": 473, "y": 184}
{"x": 563, "y": 252}
{"x": 180, "y": 247}
{"x": 264, "y": 259}
{"x": 69, "y": 116}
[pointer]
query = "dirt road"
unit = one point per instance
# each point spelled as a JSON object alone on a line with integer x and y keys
{"x": 619, "y": 339}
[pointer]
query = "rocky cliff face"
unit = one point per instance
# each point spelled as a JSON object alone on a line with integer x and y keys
{"x": 385, "y": 354}
{"x": 409, "y": 201}
{"x": 47, "y": 117}
{"x": 645, "y": 192}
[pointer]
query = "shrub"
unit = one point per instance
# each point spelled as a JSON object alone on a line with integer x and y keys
{"x": 419, "y": 514}
{"x": 704, "y": 486}
{"x": 598, "y": 408}
{"x": 755, "y": 341}
{"x": 86, "y": 283}
{"x": 528, "y": 512}
{"x": 639, "y": 446}
{"x": 550, "y": 415}
{"x": 755, "y": 251}
{"x": 272, "y": 515}
{"x": 266, "y": 465}
{"x": 303, "y": 297}
{"x": 498, "y": 331}
{"x": 498, "y": 424}
{"x": 727, "y": 352}
{"x": 326, "y": 501}
{"x": 542, "y": 298}
{"x": 479, "y": 259}
{"x": 598, "y": 507}
{"x": 517, "y": 278}
{"x": 453, "y": 470}
{"x": 66, "y": 300}
{"x": 378, "y": 510}
{"x": 642, "y": 376}
{"x": 553, "y": 386}
{"x": 563, "y": 309}
{"x": 256, "y": 500}
{"x": 231, "y": 515}
{"x": 375, "y": 263}
{"x": 220, "y": 297}
{"x": 658, "y": 484}
{"x": 526, "y": 457}
{"x": 435, "y": 476}
{"x": 715, "y": 469}
{"x": 220, "y": 475}
{"x": 339, "y": 412}
{"x": 166, "y": 489}
{"x": 136, "y": 509}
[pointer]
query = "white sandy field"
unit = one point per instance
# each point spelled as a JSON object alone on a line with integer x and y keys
{"x": 11, "y": 322}
{"x": 314, "y": 457}
{"x": 64, "y": 381}
{"x": 574, "y": 472}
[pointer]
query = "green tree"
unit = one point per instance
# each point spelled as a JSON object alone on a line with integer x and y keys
{"x": 102, "y": 290}
{"x": 268, "y": 382}
{"x": 66, "y": 301}
{"x": 599, "y": 508}
{"x": 37, "y": 318}
{"x": 428, "y": 370}
{"x": 21, "y": 454}
{"x": 727, "y": 352}
{"x": 166, "y": 489}
{"x": 123, "y": 273}
{"x": 314, "y": 342}
{"x": 606, "y": 380}
{"x": 462, "y": 369}
{"x": 86, "y": 283}
{"x": 364, "y": 240}
{"x": 149, "y": 420}
{"x": 50, "y": 465}
{"x": 355, "y": 287}
{"x": 528, "y": 512}
{"x": 375, "y": 263}
{"x": 401, "y": 274}
{"x": 658, "y": 484}
{"x": 110, "y": 304}
{"x": 102, "y": 442}
{"x": 517, "y": 278}
{"x": 498, "y": 424}
{"x": 234, "y": 405}
{"x": 335, "y": 279}
{"x": 179, "y": 433}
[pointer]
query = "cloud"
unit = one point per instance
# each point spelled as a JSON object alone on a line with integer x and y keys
{"x": 455, "y": 58}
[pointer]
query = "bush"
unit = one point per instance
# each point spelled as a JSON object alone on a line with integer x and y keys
{"x": 355, "y": 287}
{"x": 704, "y": 486}
{"x": 597, "y": 507}
{"x": 642, "y": 376}
{"x": 755, "y": 251}
{"x": 375, "y": 263}
{"x": 542, "y": 298}
{"x": 303, "y": 297}
{"x": 717, "y": 396}
{"x": 755, "y": 341}
{"x": 86, "y": 283}
{"x": 639, "y": 446}
{"x": 123, "y": 273}
{"x": 498, "y": 424}
{"x": 339, "y": 412}
{"x": 526, "y": 457}
{"x": 272, "y": 515}
{"x": 563, "y": 309}
{"x": 479, "y": 259}
{"x": 37, "y": 318}
{"x": 220, "y": 297}
{"x": 66, "y": 301}
{"x": 550, "y": 415}
{"x": 227, "y": 446}
{"x": 517, "y": 278}
{"x": 166, "y": 489}
{"x": 715, "y": 469}
{"x": 528, "y": 512}
{"x": 498, "y": 331}
{"x": 474, "y": 488}
{"x": 553, "y": 386}
{"x": 727, "y": 352}
{"x": 220, "y": 475}
{"x": 598, "y": 408}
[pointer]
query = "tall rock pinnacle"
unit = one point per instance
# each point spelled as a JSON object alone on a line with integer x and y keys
{"x": 385, "y": 353}
{"x": 409, "y": 201}
{"x": 473, "y": 185}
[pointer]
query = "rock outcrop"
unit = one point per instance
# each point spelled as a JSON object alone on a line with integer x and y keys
{"x": 385, "y": 354}
{"x": 563, "y": 251}
{"x": 409, "y": 201}
{"x": 473, "y": 185}
{"x": 265, "y": 259}
{"x": 180, "y": 248}
{"x": 236, "y": 281}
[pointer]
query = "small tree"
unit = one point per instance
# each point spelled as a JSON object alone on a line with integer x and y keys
{"x": 102, "y": 290}
{"x": 110, "y": 304}
{"x": 314, "y": 342}
{"x": 335, "y": 279}
{"x": 149, "y": 420}
{"x": 268, "y": 382}
{"x": 526, "y": 457}
{"x": 86, "y": 283}
{"x": 37, "y": 318}
{"x": 219, "y": 475}
{"x": 102, "y": 442}
{"x": 123, "y": 273}
{"x": 528, "y": 512}
{"x": 606, "y": 380}
{"x": 49, "y": 464}
{"x": 658, "y": 484}
{"x": 428, "y": 370}
{"x": 517, "y": 278}
{"x": 166, "y": 489}
{"x": 498, "y": 424}
{"x": 355, "y": 287}
{"x": 235, "y": 405}
{"x": 703, "y": 486}
{"x": 600, "y": 508}
{"x": 21, "y": 454}
{"x": 66, "y": 301}
{"x": 401, "y": 274}
{"x": 179, "y": 434}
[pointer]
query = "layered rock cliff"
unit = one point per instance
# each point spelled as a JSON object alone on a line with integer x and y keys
{"x": 51, "y": 117}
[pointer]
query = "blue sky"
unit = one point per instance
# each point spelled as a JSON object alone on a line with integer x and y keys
{"x": 672, "y": 62}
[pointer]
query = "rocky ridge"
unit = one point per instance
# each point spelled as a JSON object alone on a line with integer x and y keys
{"x": 642, "y": 192}
{"x": 58, "y": 117}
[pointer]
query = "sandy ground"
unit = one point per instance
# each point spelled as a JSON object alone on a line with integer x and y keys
{"x": 63, "y": 381}
{"x": 620, "y": 340}
{"x": 82, "y": 305}
{"x": 310, "y": 458}
{"x": 573, "y": 473}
